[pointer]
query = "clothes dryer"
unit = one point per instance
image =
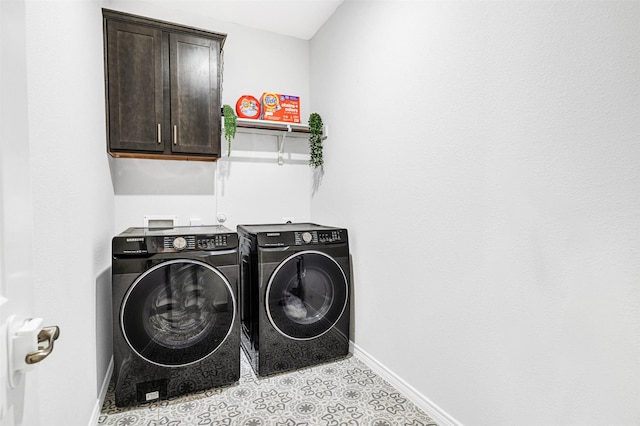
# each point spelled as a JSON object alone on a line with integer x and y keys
{"x": 175, "y": 323}
{"x": 294, "y": 295}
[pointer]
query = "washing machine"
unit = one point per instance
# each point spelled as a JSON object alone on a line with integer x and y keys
{"x": 294, "y": 295}
{"x": 176, "y": 327}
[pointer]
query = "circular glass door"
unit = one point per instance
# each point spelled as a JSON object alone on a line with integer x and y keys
{"x": 306, "y": 295}
{"x": 178, "y": 312}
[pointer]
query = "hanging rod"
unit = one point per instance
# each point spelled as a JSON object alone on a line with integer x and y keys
{"x": 279, "y": 129}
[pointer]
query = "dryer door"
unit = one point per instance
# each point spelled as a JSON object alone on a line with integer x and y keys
{"x": 306, "y": 295}
{"x": 178, "y": 312}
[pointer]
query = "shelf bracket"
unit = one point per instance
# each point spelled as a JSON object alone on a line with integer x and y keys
{"x": 281, "y": 139}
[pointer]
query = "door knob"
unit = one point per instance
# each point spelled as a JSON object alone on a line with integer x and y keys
{"x": 28, "y": 343}
{"x": 48, "y": 335}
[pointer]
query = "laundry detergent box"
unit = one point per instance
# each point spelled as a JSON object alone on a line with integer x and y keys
{"x": 278, "y": 107}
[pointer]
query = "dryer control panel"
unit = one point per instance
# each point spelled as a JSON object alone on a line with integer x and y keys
{"x": 318, "y": 237}
{"x": 301, "y": 238}
{"x": 294, "y": 234}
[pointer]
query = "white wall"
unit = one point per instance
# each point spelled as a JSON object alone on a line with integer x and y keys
{"x": 485, "y": 157}
{"x": 72, "y": 201}
{"x": 82, "y": 197}
{"x": 249, "y": 186}
{"x": 508, "y": 197}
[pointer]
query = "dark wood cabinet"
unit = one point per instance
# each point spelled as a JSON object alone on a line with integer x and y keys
{"x": 162, "y": 88}
{"x": 135, "y": 97}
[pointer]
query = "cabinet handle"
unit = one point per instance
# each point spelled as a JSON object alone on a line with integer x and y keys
{"x": 159, "y": 133}
{"x": 175, "y": 134}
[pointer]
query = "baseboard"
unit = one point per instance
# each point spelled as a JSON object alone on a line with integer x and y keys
{"x": 441, "y": 417}
{"x": 95, "y": 415}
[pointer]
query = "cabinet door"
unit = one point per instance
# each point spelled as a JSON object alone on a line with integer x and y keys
{"x": 134, "y": 87}
{"x": 195, "y": 97}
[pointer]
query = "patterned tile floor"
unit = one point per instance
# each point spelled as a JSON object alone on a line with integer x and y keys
{"x": 344, "y": 392}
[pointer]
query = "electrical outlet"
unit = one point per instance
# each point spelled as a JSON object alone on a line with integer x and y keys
{"x": 288, "y": 219}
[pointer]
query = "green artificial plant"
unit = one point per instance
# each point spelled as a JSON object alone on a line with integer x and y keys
{"x": 230, "y": 125}
{"x": 315, "y": 141}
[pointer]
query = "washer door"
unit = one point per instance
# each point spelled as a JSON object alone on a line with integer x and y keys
{"x": 306, "y": 295}
{"x": 178, "y": 312}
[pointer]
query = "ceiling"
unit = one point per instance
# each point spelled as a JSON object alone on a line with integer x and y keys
{"x": 297, "y": 18}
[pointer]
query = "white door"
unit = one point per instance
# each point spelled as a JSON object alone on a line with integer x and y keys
{"x": 18, "y": 396}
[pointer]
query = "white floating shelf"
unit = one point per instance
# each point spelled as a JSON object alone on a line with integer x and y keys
{"x": 279, "y": 129}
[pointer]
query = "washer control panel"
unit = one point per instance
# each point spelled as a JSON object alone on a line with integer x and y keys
{"x": 197, "y": 242}
{"x": 213, "y": 241}
{"x": 147, "y": 241}
{"x": 180, "y": 243}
